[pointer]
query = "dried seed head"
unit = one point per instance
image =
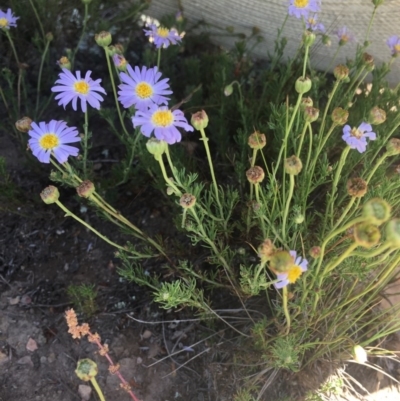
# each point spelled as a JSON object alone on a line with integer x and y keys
{"x": 341, "y": 72}
{"x": 50, "y": 194}
{"x": 340, "y": 116}
{"x": 85, "y": 189}
{"x": 377, "y": 116}
{"x": 257, "y": 140}
{"x": 24, "y": 124}
{"x": 293, "y": 165}
{"x": 255, "y": 174}
{"x": 187, "y": 201}
{"x": 356, "y": 187}
{"x": 199, "y": 120}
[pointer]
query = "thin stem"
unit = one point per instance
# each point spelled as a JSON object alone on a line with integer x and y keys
{"x": 19, "y": 69}
{"x": 110, "y": 71}
{"x": 88, "y": 226}
{"x": 210, "y": 164}
{"x": 370, "y": 24}
{"x": 85, "y": 18}
{"x": 85, "y": 143}
{"x": 38, "y": 19}
{"x": 40, "y": 75}
{"x": 305, "y": 61}
{"x": 302, "y": 135}
{"x": 332, "y": 61}
{"x": 331, "y": 95}
{"x": 158, "y": 58}
{"x": 376, "y": 165}
{"x": 342, "y": 162}
{"x": 285, "y": 308}
{"x": 97, "y": 388}
{"x": 166, "y": 178}
{"x": 287, "y": 205}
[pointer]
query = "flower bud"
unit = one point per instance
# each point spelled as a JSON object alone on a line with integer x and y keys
{"x": 50, "y": 195}
{"x": 85, "y": 189}
{"x": 24, "y": 124}
{"x": 357, "y": 187}
{"x": 377, "y": 211}
{"x": 187, "y": 201}
{"x": 306, "y": 102}
{"x": 393, "y": 232}
{"x": 368, "y": 61}
{"x": 228, "y": 90}
{"x": 103, "y": 38}
{"x": 393, "y": 147}
{"x": 119, "y": 48}
{"x": 64, "y": 63}
{"x": 326, "y": 40}
{"x": 376, "y": 116}
{"x": 340, "y": 116}
{"x": 360, "y": 355}
{"x": 49, "y": 36}
{"x": 257, "y": 140}
{"x": 311, "y": 114}
{"x": 293, "y": 165}
{"x": 315, "y": 252}
{"x": 86, "y": 369}
{"x": 298, "y": 218}
{"x": 308, "y": 38}
{"x": 303, "y": 85}
{"x": 156, "y": 147}
{"x": 199, "y": 120}
{"x": 120, "y": 62}
{"x": 366, "y": 235}
{"x": 266, "y": 250}
{"x": 111, "y": 50}
{"x": 377, "y": 3}
{"x": 170, "y": 191}
{"x": 341, "y": 72}
{"x": 280, "y": 261}
{"x": 255, "y": 174}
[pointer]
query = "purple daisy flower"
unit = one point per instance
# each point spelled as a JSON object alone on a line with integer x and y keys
{"x": 344, "y": 36}
{"x": 313, "y": 25}
{"x": 162, "y": 37}
{"x": 120, "y": 62}
{"x": 73, "y": 88}
{"x": 300, "y": 265}
{"x": 394, "y": 45}
{"x": 51, "y": 138}
{"x": 356, "y": 138}
{"x": 301, "y": 8}
{"x": 163, "y": 122}
{"x": 7, "y": 19}
{"x": 143, "y": 88}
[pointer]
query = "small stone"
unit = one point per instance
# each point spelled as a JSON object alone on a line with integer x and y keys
{"x": 84, "y": 392}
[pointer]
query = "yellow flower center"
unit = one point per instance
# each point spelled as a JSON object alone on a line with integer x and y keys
{"x": 312, "y": 21}
{"x": 81, "y": 87}
{"x": 143, "y": 90}
{"x": 163, "y": 32}
{"x": 49, "y": 141}
{"x": 396, "y": 47}
{"x": 294, "y": 273}
{"x": 356, "y": 133}
{"x": 162, "y": 118}
{"x": 301, "y": 3}
{"x": 3, "y": 22}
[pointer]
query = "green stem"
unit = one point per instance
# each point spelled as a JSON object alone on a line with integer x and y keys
{"x": 85, "y": 18}
{"x": 287, "y": 205}
{"x": 69, "y": 213}
{"x": 354, "y": 83}
{"x": 110, "y": 71}
{"x": 85, "y": 143}
{"x": 305, "y": 61}
{"x": 328, "y": 104}
{"x": 257, "y": 191}
{"x": 166, "y": 178}
{"x": 303, "y": 134}
{"x": 285, "y": 308}
{"x": 370, "y": 24}
{"x": 19, "y": 69}
{"x": 97, "y": 388}
{"x": 344, "y": 213}
{"x": 40, "y": 75}
{"x": 376, "y": 166}
{"x": 171, "y": 165}
{"x": 158, "y": 58}
{"x": 332, "y": 61}
{"x": 38, "y": 19}
{"x": 210, "y": 164}
{"x": 342, "y": 162}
